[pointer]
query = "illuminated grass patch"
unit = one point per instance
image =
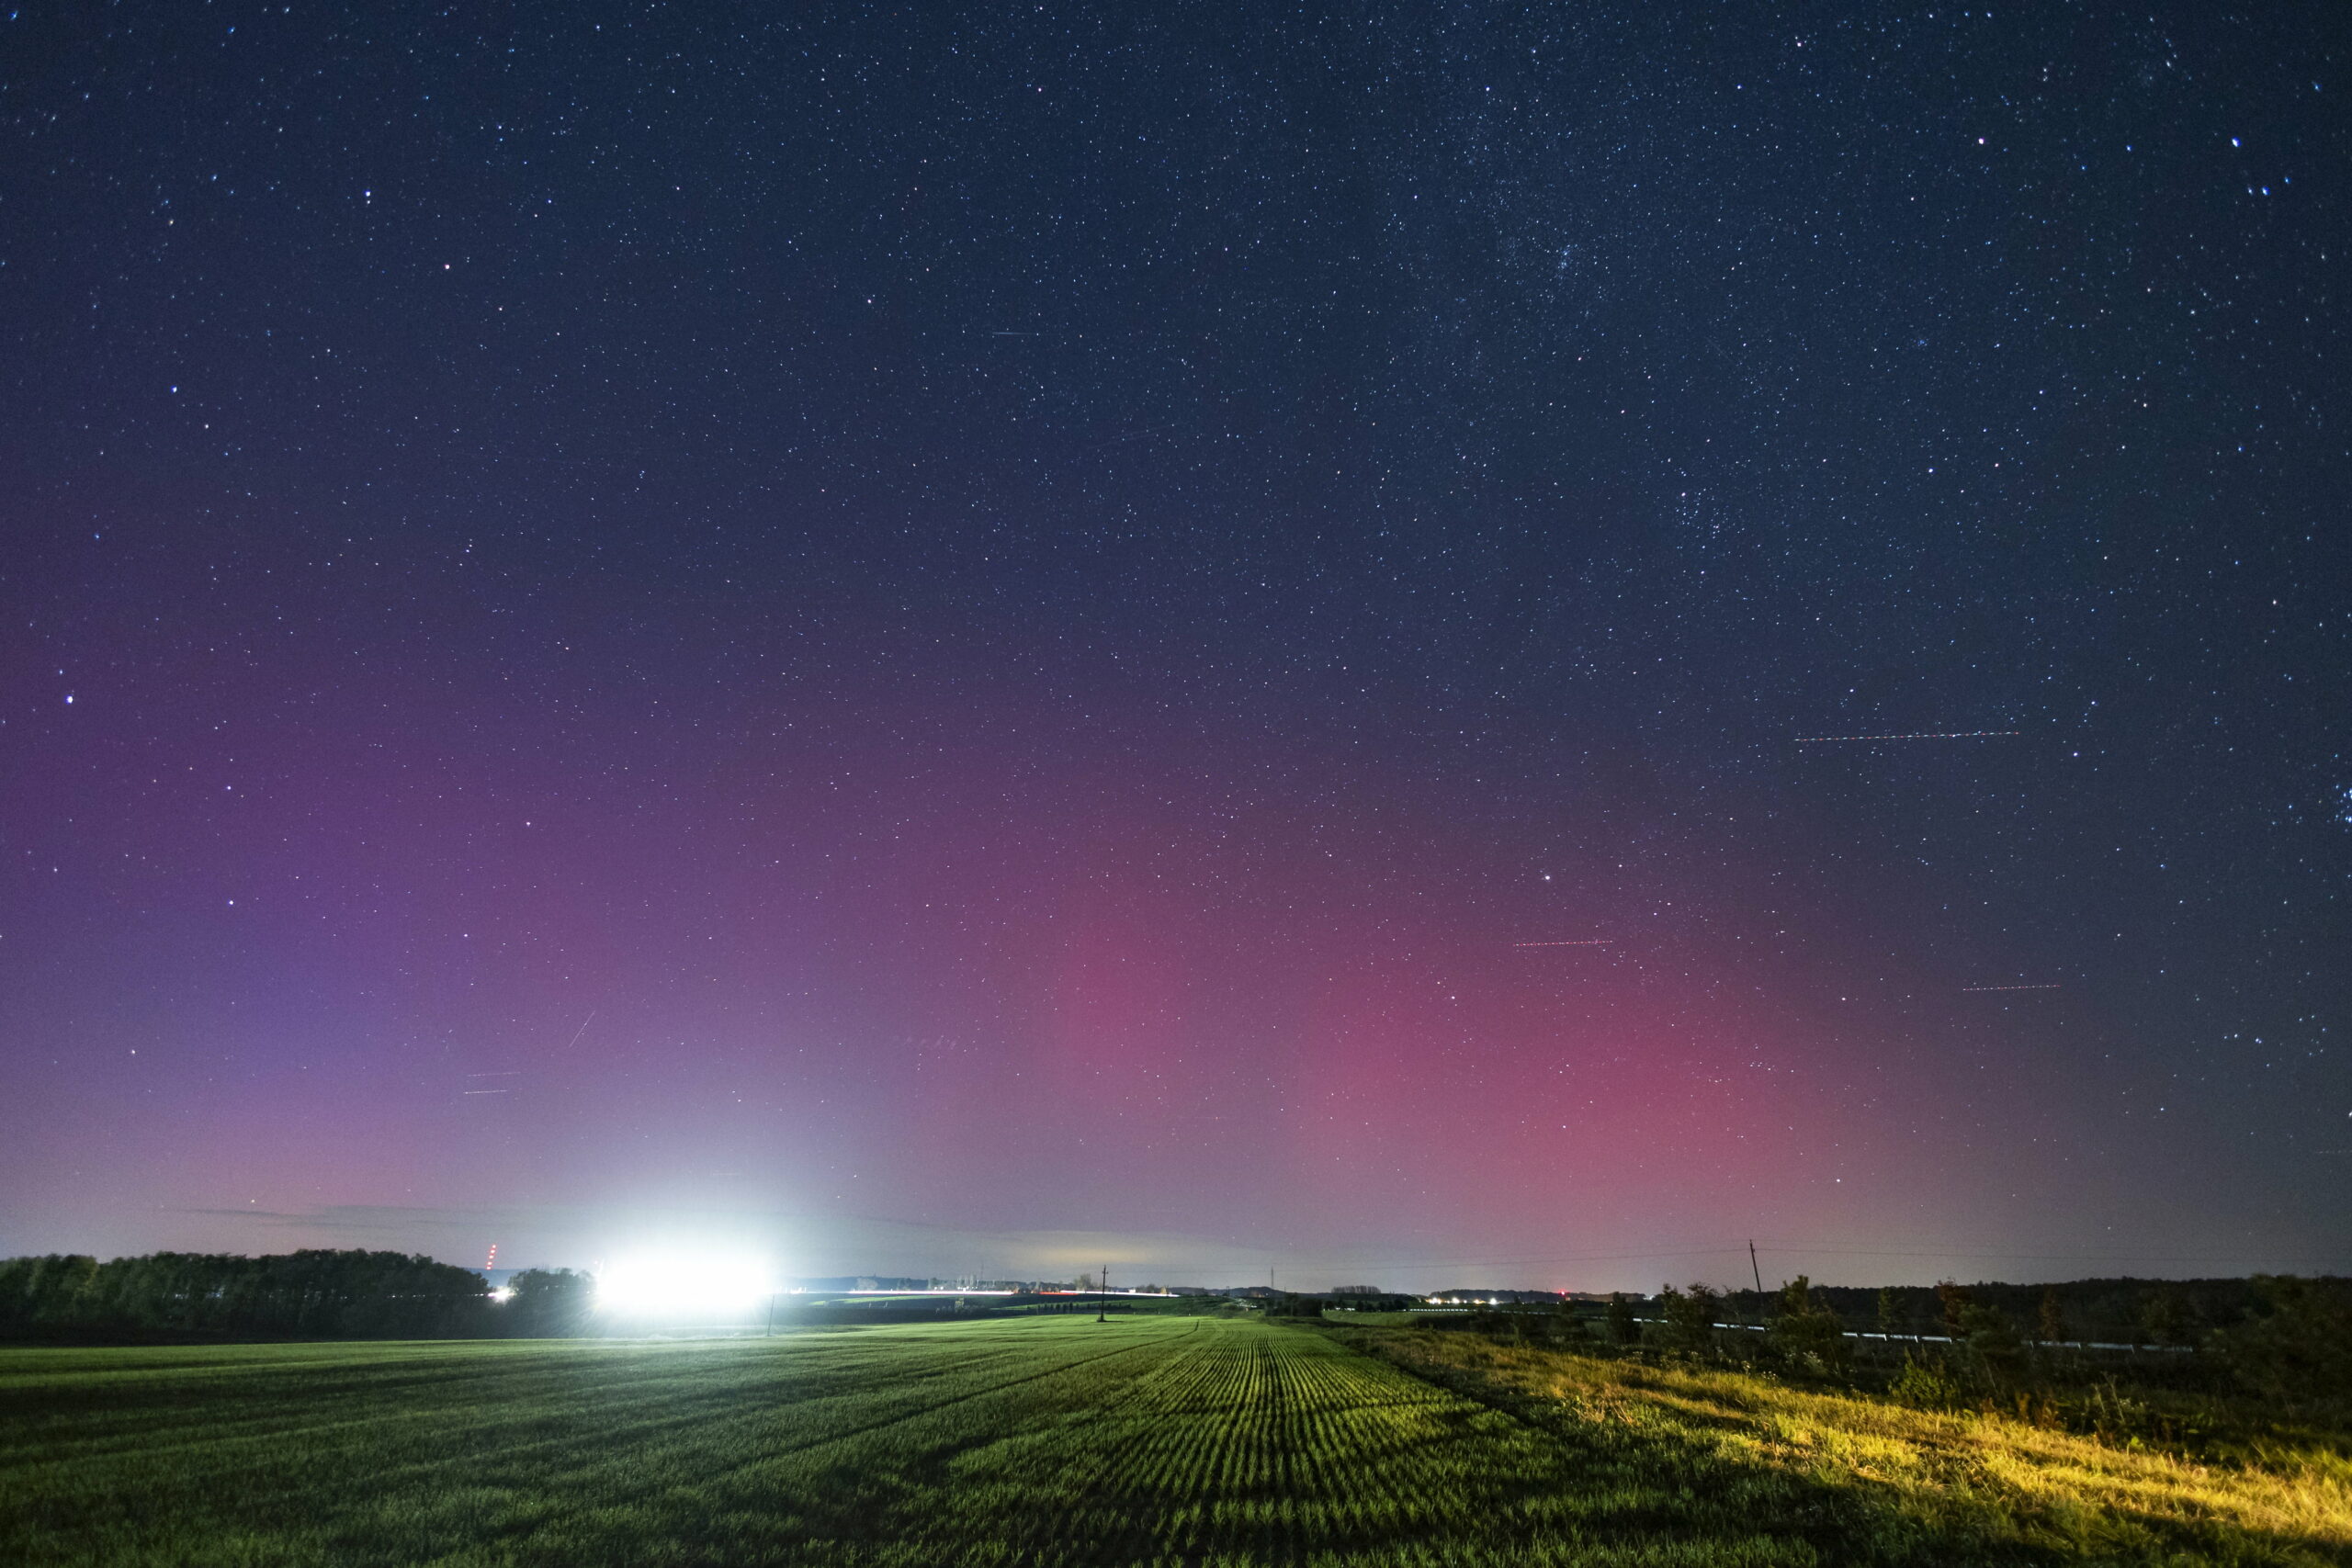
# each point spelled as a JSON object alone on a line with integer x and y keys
{"x": 2011, "y": 1491}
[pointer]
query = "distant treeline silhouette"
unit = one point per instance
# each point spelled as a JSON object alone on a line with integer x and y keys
{"x": 313, "y": 1294}
{"x": 2125, "y": 1311}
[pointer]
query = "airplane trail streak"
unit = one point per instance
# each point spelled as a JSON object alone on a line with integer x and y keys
{"x": 2053, "y": 985}
{"x": 1924, "y": 735}
{"x": 1597, "y": 942}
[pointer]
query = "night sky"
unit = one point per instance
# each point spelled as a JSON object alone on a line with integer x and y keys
{"x": 963, "y": 638}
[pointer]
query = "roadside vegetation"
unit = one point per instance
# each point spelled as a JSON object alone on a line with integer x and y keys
{"x": 1889, "y": 1482}
{"x": 2279, "y": 1373}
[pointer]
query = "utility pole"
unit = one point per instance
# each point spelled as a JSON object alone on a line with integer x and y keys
{"x": 1103, "y": 1296}
{"x": 1755, "y": 1271}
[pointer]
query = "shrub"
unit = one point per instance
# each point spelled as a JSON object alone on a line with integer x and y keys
{"x": 1808, "y": 1332}
{"x": 1691, "y": 1318}
{"x": 1993, "y": 1340}
{"x": 1624, "y": 1328}
{"x": 1926, "y": 1383}
{"x": 2301, "y": 1345}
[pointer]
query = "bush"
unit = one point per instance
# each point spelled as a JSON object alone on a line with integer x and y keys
{"x": 1691, "y": 1318}
{"x": 2300, "y": 1344}
{"x": 1926, "y": 1383}
{"x": 1624, "y": 1328}
{"x": 1808, "y": 1332}
{"x": 1994, "y": 1341}
{"x": 1568, "y": 1329}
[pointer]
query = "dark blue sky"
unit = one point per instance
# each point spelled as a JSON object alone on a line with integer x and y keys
{"x": 1001, "y": 621}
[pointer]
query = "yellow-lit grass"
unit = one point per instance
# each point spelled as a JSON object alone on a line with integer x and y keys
{"x": 1988, "y": 1476}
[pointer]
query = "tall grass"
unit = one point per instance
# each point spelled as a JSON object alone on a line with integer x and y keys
{"x": 2009, "y": 1487}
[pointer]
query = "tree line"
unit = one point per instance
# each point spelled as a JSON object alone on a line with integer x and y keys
{"x": 2112, "y": 1311}
{"x": 313, "y": 1294}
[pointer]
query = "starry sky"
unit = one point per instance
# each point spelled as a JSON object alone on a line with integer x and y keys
{"x": 967, "y": 637}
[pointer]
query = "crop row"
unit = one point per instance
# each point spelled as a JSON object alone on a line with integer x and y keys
{"x": 1043, "y": 1441}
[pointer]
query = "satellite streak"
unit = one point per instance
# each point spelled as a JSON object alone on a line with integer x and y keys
{"x": 2052, "y": 987}
{"x": 1924, "y": 735}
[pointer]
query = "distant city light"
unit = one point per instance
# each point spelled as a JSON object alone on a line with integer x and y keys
{"x": 675, "y": 1284}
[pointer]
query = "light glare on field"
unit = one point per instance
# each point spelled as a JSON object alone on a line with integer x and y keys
{"x": 681, "y": 1284}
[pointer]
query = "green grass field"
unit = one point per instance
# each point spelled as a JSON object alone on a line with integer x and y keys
{"x": 1048, "y": 1440}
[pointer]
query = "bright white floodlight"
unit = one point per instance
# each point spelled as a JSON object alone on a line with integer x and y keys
{"x": 682, "y": 1285}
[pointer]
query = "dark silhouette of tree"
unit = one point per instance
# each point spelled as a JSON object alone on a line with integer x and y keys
{"x": 2297, "y": 1344}
{"x": 2051, "y": 1324}
{"x": 1993, "y": 1340}
{"x": 2169, "y": 1318}
{"x": 549, "y": 1303}
{"x": 1567, "y": 1328}
{"x": 1690, "y": 1317}
{"x": 1624, "y": 1328}
{"x": 1807, "y": 1331}
{"x": 308, "y": 1294}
